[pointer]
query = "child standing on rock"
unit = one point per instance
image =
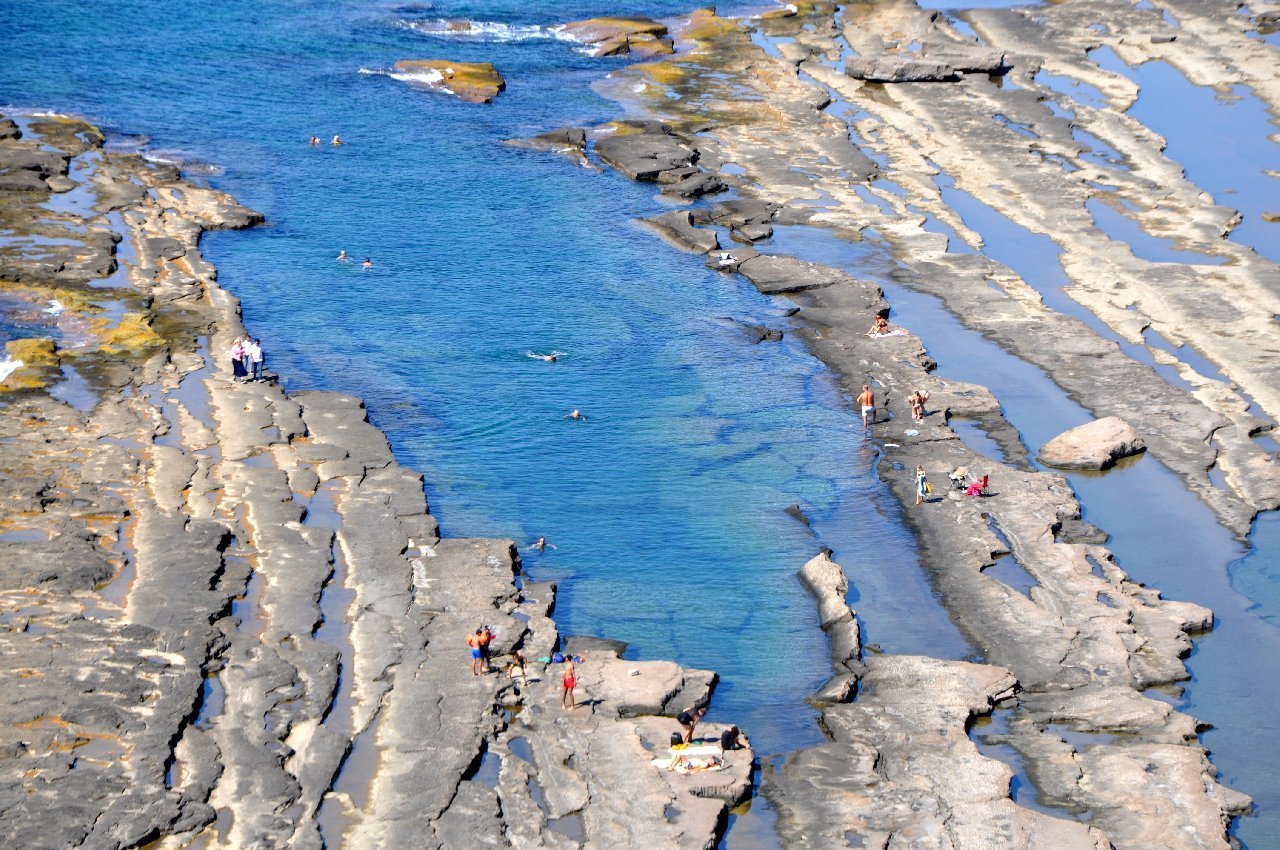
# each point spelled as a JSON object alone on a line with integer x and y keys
{"x": 922, "y": 485}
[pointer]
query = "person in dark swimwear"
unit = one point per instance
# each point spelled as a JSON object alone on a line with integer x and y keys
{"x": 518, "y": 664}
{"x": 689, "y": 719}
{"x": 733, "y": 739}
{"x": 568, "y": 682}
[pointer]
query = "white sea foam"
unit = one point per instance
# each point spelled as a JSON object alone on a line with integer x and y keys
{"x": 8, "y": 367}
{"x": 55, "y": 307}
{"x": 479, "y": 30}
{"x": 429, "y": 77}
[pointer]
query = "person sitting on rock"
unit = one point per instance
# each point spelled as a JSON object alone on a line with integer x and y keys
{"x": 879, "y": 327}
{"x": 689, "y": 719}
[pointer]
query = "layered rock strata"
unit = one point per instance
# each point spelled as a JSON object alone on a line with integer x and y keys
{"x": 1081, "y": 640}
{"x": 227, "y": 617}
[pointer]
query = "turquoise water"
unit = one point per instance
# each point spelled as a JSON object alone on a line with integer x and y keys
{"x": 666, "y": 504}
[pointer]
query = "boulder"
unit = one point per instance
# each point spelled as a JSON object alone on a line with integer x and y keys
{"x": 966, "y": 58}
{"x": 900, "y": 69}
{"x": 600, "y": 30}
{"x": 645, "y": 155}
{"x": 645, "y": 46}
{"x": 1096, "y": 445}
{"x": 695, "y": 185}
{"x": 9, "y": 130}
{"x": 678, "y": 229}
{"x": 474, "y": 82}
{"x": 749, "y": 233}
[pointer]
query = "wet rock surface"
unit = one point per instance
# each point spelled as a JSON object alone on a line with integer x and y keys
{"x": 227, "y": 616}
{"x": 474, "y": 82}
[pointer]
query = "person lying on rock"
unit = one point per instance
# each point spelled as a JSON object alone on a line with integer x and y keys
{"x": 689, "y": 719}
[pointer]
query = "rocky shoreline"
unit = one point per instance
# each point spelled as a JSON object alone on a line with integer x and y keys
{"x": 228, "y": 616}
{"x": 1074, "y": 646}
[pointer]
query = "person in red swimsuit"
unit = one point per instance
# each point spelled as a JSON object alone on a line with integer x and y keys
{"x": 569, "y": 680}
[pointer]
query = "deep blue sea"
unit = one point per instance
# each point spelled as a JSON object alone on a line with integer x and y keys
{"x": 666, "y": 506}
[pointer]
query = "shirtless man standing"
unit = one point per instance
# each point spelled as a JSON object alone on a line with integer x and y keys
{"x": 477, "y": 650}
{"x": 867, "y": 401}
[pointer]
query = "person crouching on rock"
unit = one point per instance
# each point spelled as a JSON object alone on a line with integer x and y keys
{"x": 477, "y": 653}
{"x": 917, "y": 399}
{"x": 689, "y": 719}
{"x": 733, "y": 739}
{"x": 567, "y": 683}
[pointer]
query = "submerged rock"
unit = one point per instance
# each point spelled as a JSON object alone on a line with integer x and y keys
{"x": 1097, "y": 445}
{"x": 474, "y": 82}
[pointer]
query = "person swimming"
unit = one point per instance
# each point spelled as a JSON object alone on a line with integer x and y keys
{"x": 336, "y": 140}
{"x": 342, "y": 256}
{"x": 550, "y": 358}
{"x": 368, "y": 263}
{"x": 315, "y": 140}
{"x": 540, "y": 544}
{"x": 576, "y": 415}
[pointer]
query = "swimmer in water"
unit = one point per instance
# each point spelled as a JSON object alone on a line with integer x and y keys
{"x": 342, "y": 256}
{"x": 368, "y": 263}
{"x": 315, "y": 140}
{"x": 550, "y": 358}
{"x": 576, "y": 415}
{"x": 540, "y": 544}
{"x": 336, "y": 140}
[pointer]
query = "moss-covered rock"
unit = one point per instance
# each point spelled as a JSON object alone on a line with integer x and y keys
{"x": 133, "y": 334}
{"x": 706, "y": 25}
{"x": 474, "y": 82}
{"x": 598, "y": 30}
{"x": 39, "y": 364}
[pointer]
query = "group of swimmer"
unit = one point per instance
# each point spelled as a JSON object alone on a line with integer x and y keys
{"x": 343, "y": 257}
{"x": 336, "y": 141}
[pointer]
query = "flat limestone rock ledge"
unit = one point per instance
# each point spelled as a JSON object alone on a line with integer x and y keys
{"x": 474, "y": 82}
{"x": 645, "y": 155}
{"x": 1094, "y": 445}
{"x": 214, "y": 595}
{"x": 570, "y": 142}
{"x": 775, "y": 275}
{"x": 678, "y": 229}
{"x": 900, "y": 761}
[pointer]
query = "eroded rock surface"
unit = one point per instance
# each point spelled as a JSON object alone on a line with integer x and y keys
{"x": 227, "y": 617}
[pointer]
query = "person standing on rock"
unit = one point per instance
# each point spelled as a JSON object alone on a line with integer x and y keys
{"x": 477, "y": 651}
{"x": 922, "y": 485}
{"x": 568, "y": 682}
{"x": 689, "y": 718}
{"x": 519, "y": 667}
{"x": 867, "y": 401}
{"x": 486, "y": 638}
{"x": 254, "y": 354}
{"x": 238, "y": 370}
